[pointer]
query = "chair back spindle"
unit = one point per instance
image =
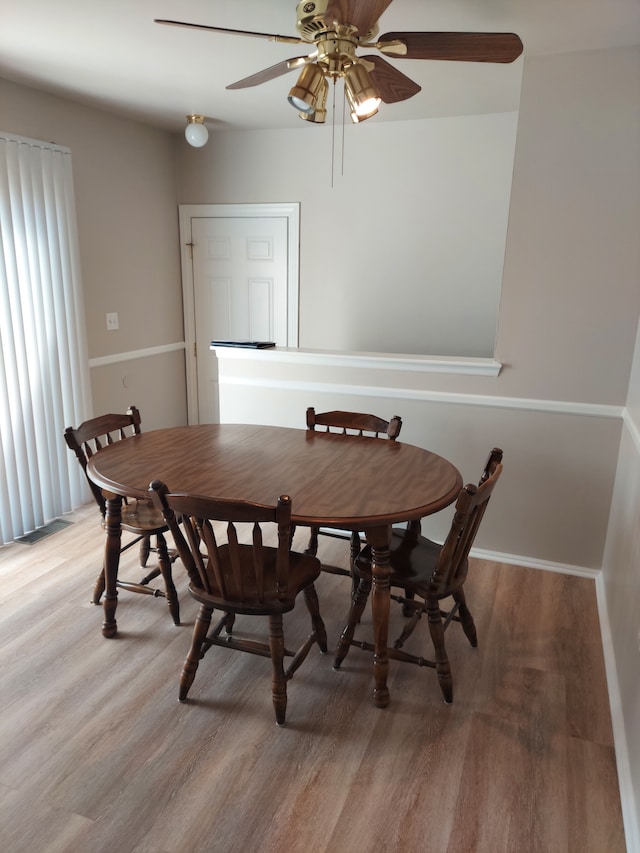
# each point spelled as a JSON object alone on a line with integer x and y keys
{"x": 355, "y": 423}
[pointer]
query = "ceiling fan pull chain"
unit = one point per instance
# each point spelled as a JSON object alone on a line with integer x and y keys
{"x": 333, "y": 131}
{"x": 344, "y": 109}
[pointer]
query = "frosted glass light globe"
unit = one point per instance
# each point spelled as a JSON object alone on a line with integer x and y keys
{"x": 196, "y": 133}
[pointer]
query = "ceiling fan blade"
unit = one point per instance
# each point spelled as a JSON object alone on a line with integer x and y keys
{"x": 270, "y": 36}
{"x": 392, "y": 85}
{"x": 363, "y": 14}
{"x": 459, "y": 47}
{"x": 272, "y": 72}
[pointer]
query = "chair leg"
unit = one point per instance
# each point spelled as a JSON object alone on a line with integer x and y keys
{"x": 443, "y": 669}
{"x": 164, "y": 561}
{"x": 152, "y": 575}
{"x": 354, "y": 548}
{"x": 312, "y": 547}
{"x": 466, "y": 619}
{"x": 313, "y": 606}
{"x": 358, "y": 603}
{"x": 203, "y": 621}
{"x": 145, "y": 548}
{"x": 98, "y": 588}
{"x": 410, "y": 626}
{"x": 407, "y": 610}
{"x": 279, "y": 680}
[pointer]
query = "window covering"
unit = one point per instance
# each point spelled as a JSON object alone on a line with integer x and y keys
{"x": 44, "y": 371}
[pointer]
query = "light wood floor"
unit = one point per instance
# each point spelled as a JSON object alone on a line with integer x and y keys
{"x": 96, "y": 753}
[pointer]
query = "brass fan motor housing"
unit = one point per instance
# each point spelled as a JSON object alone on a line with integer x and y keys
{"x": 336, "y": 54}
{"x": 311, "y": 21}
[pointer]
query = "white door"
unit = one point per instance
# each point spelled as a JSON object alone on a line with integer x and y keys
{"x": 237, "y": 263}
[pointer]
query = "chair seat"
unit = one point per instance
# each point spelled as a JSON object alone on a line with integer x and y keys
{"x": 412, "y": 564}
{"x": 142, "y": 517}
{"x": 303, "y": 570}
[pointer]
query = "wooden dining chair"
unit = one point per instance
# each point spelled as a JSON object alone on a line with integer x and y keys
{"x": 139, "y": 517}
{"x": 428, "y": 574}
{"x": 236, "y": 578}
{"x": 347, "y": 423}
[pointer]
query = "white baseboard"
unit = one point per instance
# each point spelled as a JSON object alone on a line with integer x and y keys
{"x": 533, "y": 563}
{"x": 625, "y": 777}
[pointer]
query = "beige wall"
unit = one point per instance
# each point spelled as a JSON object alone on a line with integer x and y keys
{"x": 569, "y": 298}
{"x": 568, "y": 315}
{"x": 543, "y": 512}
{"x": 381, "y": 264}
{"x": 569, "y": 307}
{"x": 125, "y": 188}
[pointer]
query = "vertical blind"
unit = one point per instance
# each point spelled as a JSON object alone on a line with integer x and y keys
{"x": 44, "y": 373}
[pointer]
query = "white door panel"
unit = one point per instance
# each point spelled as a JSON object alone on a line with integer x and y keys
{"x": 241, "y": 270}
{"x": 240, "y": 278}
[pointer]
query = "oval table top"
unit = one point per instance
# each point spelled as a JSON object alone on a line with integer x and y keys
{"x": 345, "y": 481}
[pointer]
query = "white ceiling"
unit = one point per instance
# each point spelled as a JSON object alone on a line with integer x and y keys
{"x": 111, "y": 54}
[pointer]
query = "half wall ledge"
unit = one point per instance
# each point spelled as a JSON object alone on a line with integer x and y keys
{"x": 373, "y": 360}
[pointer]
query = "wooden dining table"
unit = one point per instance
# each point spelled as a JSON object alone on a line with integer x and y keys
{"x": 349, "y": 482}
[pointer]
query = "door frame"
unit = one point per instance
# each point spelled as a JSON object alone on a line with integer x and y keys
{"x": 187, "y": 212}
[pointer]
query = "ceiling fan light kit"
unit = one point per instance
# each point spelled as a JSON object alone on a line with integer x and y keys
{"x": 196, "y": 132}
{"x": 335, "y": 29}
{"x": 361, "y": 94}
{"x": 319, "y": 114}
{"x": 310, "y": 91}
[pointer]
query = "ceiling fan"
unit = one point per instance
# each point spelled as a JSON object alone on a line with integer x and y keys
{"x": 336, "y": 29}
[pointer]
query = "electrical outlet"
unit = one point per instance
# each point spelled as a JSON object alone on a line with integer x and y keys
{"x": 112, "y": 322}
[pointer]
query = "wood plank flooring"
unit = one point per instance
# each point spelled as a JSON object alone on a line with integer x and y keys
{"x": 96, "y": 753}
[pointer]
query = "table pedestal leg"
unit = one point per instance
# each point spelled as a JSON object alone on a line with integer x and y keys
{"x": 380, "y": 538}
{"x": 111, "y": 562}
